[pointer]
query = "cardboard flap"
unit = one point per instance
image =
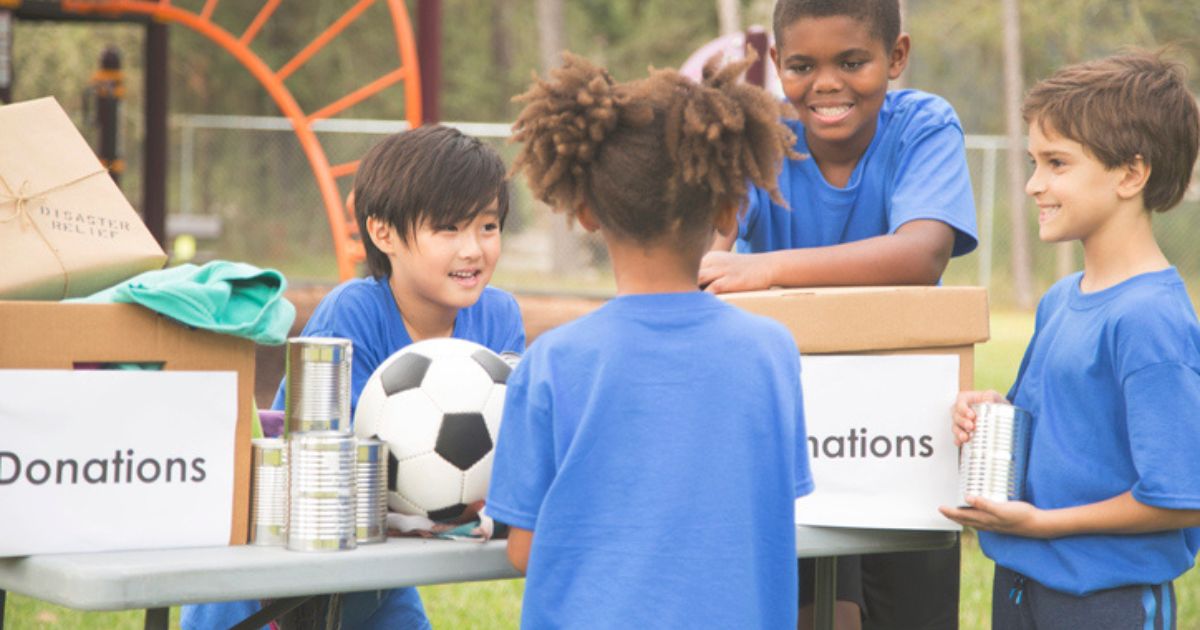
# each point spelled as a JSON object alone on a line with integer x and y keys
{"x": 859, "y": 319}
{"x": 114, "y": 333}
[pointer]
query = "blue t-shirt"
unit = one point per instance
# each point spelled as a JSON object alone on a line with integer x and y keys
{"x": 659, "y": 475}
{"x": 914, "y": 168}
{"x": 364, "y": 311}
{"x": 1112, "y": 380}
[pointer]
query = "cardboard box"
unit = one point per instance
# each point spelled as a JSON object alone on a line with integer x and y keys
{"x": 879, "y": 320}
{"x": 881, "y": 367}
{"x": 57, "y": 336}
{"x": 66, "y": 230}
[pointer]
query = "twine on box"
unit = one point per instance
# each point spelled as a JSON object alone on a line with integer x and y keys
{"x": 20, "y": 200}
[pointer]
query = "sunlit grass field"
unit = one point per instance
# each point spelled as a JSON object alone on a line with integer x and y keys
{"x": 496, "y": 605}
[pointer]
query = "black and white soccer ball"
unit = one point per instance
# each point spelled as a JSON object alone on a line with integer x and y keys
{"x": 437, "y": 405}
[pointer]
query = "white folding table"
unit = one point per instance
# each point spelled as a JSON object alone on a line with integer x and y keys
{"x": 156, "y": 580}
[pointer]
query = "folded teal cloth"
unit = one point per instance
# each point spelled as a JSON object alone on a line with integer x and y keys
{"x": 226, "y": 297}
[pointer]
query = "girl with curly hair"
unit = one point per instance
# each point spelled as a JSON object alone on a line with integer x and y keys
{"x": 648, "y": 477}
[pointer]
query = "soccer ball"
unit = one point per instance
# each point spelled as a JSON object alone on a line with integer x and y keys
{"x": 437, "y": 405}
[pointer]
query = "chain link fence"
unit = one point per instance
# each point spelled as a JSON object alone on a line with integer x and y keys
{"x": 241, "y": 189}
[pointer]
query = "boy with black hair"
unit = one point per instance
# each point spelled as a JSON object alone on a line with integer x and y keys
{"x": 430, "y": 204}
{"x": 1112, "y": 373}
{"x": 881, "y": 195}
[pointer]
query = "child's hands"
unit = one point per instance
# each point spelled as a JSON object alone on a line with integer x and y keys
{"x": 964, "y": 416}
{"x": 1006, "y": 517}
{"x": 726, "y": 272}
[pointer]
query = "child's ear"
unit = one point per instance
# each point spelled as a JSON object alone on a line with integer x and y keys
{"x": 774, "y": 53}
{"x": 382, "y": 234}
{"x": 726, "y": 220}
{"x": 898, "y": 58}
{"x": 586, "y": 219}
{"x": 1134, "y": 176}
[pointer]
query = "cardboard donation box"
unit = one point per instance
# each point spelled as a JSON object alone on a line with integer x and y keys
{"x": 94, "y": 458}
{"x": 880, "y": 368}
{"x": 65, "y": 228}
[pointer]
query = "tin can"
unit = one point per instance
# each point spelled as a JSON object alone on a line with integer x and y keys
{"x": 321, "y": 493}
{"x": 269, "y": 490}
{"x": 370, "y": 481}
{"x": 318, "y": 384}
{"x": 992, "y": 463}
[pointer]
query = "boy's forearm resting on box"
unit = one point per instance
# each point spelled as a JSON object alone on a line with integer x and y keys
{"x": 1122, "y": 514}
{"x": 519, "y": 542}
{"x": 917, "y": 253}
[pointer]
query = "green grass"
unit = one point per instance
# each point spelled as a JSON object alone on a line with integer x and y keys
{"x": 497, "y": 605}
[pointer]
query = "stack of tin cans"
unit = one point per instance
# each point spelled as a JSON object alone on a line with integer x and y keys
{"x": 335, "y": 492}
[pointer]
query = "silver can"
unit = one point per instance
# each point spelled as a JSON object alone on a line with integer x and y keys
{"x": 318, "y": 384}
{"x": 269, "y": 492}
{"x": 992, "y": 463}
{"x": 321, "y": 494}
{"x": 371, "y": 491}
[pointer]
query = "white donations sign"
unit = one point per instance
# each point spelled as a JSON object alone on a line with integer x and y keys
{"x": 879, "y": 440}
{"x": 108, "y": 460}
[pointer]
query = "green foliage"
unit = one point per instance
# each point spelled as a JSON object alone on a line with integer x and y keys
{"x": 957, "y": 46}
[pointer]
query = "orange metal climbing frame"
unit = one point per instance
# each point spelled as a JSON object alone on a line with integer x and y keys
{"x": 346, "y": 240}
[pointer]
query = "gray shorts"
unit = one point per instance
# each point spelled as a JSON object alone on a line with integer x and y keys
{"x": 1019, "y": 603}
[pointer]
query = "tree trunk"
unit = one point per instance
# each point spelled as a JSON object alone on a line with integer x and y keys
{"x": 551, "y": 26}
{"x": 1013, "y": 89}
{"x": 502, "y": 52}
{"x": 729, "y": 19}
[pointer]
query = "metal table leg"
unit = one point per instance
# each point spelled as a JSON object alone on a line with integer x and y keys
{"x": 157, "y": 618}
{"x": 271, "y": 612}
{"x": 824, "y": 592}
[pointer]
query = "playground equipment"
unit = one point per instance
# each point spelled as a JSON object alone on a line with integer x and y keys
{"x": 346, "y": 240}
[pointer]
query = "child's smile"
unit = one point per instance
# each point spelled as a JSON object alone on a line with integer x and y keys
{"x": 468, "y": 278}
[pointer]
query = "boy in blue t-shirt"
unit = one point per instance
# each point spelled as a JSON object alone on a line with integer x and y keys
{"x": 650, "y": 479}
{"x": 430, "y": 203}
{"x": 1112, "y": 374}
{"x": 879, "y": 195}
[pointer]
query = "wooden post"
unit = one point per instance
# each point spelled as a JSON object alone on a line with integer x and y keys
{"x": 429, "y": 45}
{"x": 154, "y": 154}
{"x": 6, "y": 69}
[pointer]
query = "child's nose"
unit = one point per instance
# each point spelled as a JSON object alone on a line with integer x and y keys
{"x": 469, "y": 246}
{"x": 1034, "y": 184}
{"x": 827, "y": 80}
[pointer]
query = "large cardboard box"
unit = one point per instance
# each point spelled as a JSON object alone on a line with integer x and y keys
{"x": 65, "y": 228}
{"x": 881, "y": 367}
{"x": 62, "y": 337}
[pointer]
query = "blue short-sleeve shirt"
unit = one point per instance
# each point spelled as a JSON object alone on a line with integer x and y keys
{"x": 1112, "y": 380}
{"x": 658, "y": 475}
{"x": 914, "y": 168}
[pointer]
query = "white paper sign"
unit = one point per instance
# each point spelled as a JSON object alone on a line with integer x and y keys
{"x": 108, "y": 460}
{"x": 879, "y": 440}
